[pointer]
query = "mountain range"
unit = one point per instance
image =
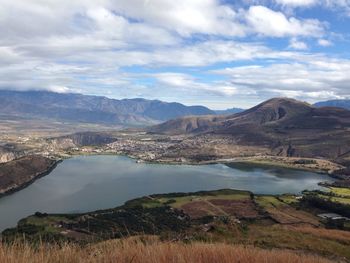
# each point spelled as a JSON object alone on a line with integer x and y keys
{"x": 229, "y": 111}
{"x": 334, "y": 103}
{"x": 92, "y": 109}
{"x": 73, "y": 107}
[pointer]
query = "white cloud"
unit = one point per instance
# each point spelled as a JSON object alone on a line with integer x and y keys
{"x": 185, "y": 17}
{"x": 187, "y": 82}
{"x": 8, "y": 56}
{"x": 175, "y": 79}
{"x": 93, "y": 46}
{"x": 296, "y": 44}
{"x": 87, "y": 51}
{"x": 93, "y": 67}
{"x": 59, "y": 89}
{"x": 340, "y": 6}
{"x": 295, "y": 3}
{"x": 313, "y": 79}
{"x": 324, "y": 42}
{"x": 114, "y": 27}
{"x": 267, "y": 22}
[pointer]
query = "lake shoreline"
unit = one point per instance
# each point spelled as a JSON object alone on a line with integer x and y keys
{"x": 87, "y": 183}
{"x": 32, "y": 180}
{"x": 266, "y": 160}
{"x": 254, "y": 161}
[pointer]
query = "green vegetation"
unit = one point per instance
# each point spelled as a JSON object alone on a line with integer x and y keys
{"x": 336, "y": 195}
{"x": 236, "y": 217}
{"x": 344, "y": 192}
{"x": 288, "y": 199}
{"x": 268, "y": 201}
{"x": 340, "y": 200}
{"x": 305, "y": 161}
{"x": 335, "y": 200}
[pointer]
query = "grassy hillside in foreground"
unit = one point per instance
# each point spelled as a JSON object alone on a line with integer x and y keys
{"x": 151, "y": 251}
{"x": 226, "y": 216}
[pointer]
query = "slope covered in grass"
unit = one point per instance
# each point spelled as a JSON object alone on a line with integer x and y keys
{"x": 150, "y": 251}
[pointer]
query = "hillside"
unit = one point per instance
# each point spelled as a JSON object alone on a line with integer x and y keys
{"x": 277, "y": 113}
{"x": 279, "y": 126}
{"x": 223, "y": 216}
{"x": 150, "y": 250}
{"x": 17, "y": 174}
{"x": 92, "y": 109}
{"x": 334, "y": 103}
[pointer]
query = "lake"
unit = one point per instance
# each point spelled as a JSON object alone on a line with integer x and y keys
{"x": 87, "y": 183}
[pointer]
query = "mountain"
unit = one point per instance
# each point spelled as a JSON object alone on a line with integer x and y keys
{"x": 92, "y": 109}
{"x": 279, "y": 126}
{"x": 229, "y": 111}
{"x": 274, "y": 110}
{"x": 334, "y": 103}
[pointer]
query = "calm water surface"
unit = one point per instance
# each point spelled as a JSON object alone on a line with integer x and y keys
{"x": 87, "y": 183}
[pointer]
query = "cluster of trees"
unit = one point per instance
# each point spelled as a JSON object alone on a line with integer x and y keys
{"x": 313, "y": 200}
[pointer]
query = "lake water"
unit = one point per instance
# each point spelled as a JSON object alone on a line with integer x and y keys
{"x": 87, "y": 183}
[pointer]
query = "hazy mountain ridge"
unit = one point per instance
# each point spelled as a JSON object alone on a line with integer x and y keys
{"x": 98, "y": 109}
{"x": 229, "y": 111}
{"x": 94, "y": 109}
{"x": 334, "y": 103}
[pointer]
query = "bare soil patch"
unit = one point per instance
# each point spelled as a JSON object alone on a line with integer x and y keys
{"x": 242, "y": 209}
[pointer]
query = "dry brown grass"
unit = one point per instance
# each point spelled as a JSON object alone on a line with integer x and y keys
{"x": 136, "y": 251}
{"x": 324, "y": 233}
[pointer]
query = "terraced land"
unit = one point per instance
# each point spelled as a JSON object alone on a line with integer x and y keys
{"x": 230, "y": 216}
{"x": 237, "y": 204}
{"x": 283, "y": 213}
{"x": 344, "y": 192}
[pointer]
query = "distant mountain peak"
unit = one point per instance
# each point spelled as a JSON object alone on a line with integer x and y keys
{"x": 274, "y": 109}
{"x": 282, "y": 113}
{"x": 283, "y": 101}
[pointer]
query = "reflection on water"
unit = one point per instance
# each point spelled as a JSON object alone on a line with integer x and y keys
{"x": 88, "y": 183}
{"x": 268, "y": 169}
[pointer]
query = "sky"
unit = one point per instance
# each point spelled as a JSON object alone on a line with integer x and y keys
{"x": 220, "y": 54}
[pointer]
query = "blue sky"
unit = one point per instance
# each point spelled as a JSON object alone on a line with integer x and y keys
{"x": 220, "y": 54}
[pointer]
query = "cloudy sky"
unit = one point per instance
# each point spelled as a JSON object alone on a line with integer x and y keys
{"x": 216, "y": 53}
